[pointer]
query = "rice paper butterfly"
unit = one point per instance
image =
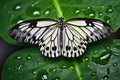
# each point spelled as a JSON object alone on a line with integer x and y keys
{"x": 61, "y": 38}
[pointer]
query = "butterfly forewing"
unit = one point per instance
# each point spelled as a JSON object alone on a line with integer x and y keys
{"x": 43, "y": 32}
{"x": 89, "y": 29}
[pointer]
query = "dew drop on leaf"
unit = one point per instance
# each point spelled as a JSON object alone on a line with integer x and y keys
{"x": 107, "y": 19}
{"x": 71, "y": 68}
{"x": 18, "y": 57}
{"x": 100, "y": 14}
{"x": 92, "y": 15}
{"x": 77, "y": 11}
{"x": 56, "y": 78}
{"x": 85, "y": 59}
{"x": 9, "y": 68}
{"x": 115, "y": 64}
{"x": 34, "y": 72}
{"x": 103, "y": 58}
{"x": 17, "y": 19}
{"x": 95, "y": 52}
{"x": 109, "y": 9}
{"x": 42, "y": 75}
{"x": 36, "y": 13}
{"x": 20, "y": 21}
{"x": 47, "y": 12}
{"x": 63, "y": 65}
{"x": 93, "y": 74}
{"x": 106, "y": 77}
{"x": 53, "y": 69}
{"x": 28, "y": 57}
{"x": 17, "y": 7}
{"x": 89, "y": 12}
{"x": 33, "y": 11}
{"x": 20, "y": 66}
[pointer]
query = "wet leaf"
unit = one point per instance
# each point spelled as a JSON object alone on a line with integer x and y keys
{"x": 30, "y": 64}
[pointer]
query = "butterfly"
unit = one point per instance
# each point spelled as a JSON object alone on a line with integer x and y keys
{"x": 61, "y": 38}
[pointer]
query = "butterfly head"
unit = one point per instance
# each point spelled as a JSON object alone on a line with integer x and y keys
{"x": 61, "y": 19}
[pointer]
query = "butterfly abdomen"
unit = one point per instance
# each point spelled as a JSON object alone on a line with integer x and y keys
{"x": 61, "y": 35}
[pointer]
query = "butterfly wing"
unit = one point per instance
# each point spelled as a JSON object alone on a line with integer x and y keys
{"x": 78, "y": 32}
{"x": 43, "y": 32}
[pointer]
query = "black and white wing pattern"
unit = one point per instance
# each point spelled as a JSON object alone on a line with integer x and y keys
{"x": 56, "y": 38}
{"x": 43, "y": 32}
{"x": 78, "y": 32}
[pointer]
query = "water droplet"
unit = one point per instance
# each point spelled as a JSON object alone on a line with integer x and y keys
{"x": 107, "y": 47}
{"x": 53, "y": 69}
{"x": 25, "y": 64}
{"x": 92, "y": 15}
{"x": 109, "y": 9}
{"x": 100, "y": 14}
{"x": 85, "y": 59}
{"x": 39, "y": 63}
{"x": 34, "y": 72}
{"x": 95, "y": 52}
{"x": 47, "y": 12}
{"x": 36, "y": 13}
{"x": 42, "y": 75}
{"x": 63, "y": 65}
{"x": 80, "y": 78}
{"x": 9, "y": 68}
{"x": 33, "y": 11}
{"x": 106, "y": 77}
{"x": 88, "y": 65}
{"x": 17, "y": 7}
{"x": 77, "y": 11}
{"x": 115, "y": 64}
{"x": 56, "y": 78}
{"x": 93, "y": 73}
{"x": 103, "y": 58}
{"x": 89, "y": 12}
{"x": 28, "y": 57}
{"x": 19, "y": 67}
{"x": 18, "y": 57}
{"x": 107, "y": 19}
{"x": 71, "y": 68}
{"x": 17, "y": 19}
{"x": 102, "y": 6}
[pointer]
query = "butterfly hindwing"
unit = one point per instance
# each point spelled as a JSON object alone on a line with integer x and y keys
{"x": 49, "y": 44}
{"x": 74, "y": 45}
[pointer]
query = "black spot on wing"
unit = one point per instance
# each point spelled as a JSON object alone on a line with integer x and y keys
{"x": 33, "y": 23}
{"x": 89, "y": 22}
{"x": 54, "y": 48}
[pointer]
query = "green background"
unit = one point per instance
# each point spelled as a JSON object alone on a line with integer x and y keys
{"x": 101, "y": 61}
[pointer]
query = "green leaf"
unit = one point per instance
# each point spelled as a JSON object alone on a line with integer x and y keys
{"x": 19, "y": 10}
{"x": 100, "y": 62}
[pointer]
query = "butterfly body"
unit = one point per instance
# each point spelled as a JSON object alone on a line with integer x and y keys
{"x": 61, "y": 26}
{"x": 61, "y": 38}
